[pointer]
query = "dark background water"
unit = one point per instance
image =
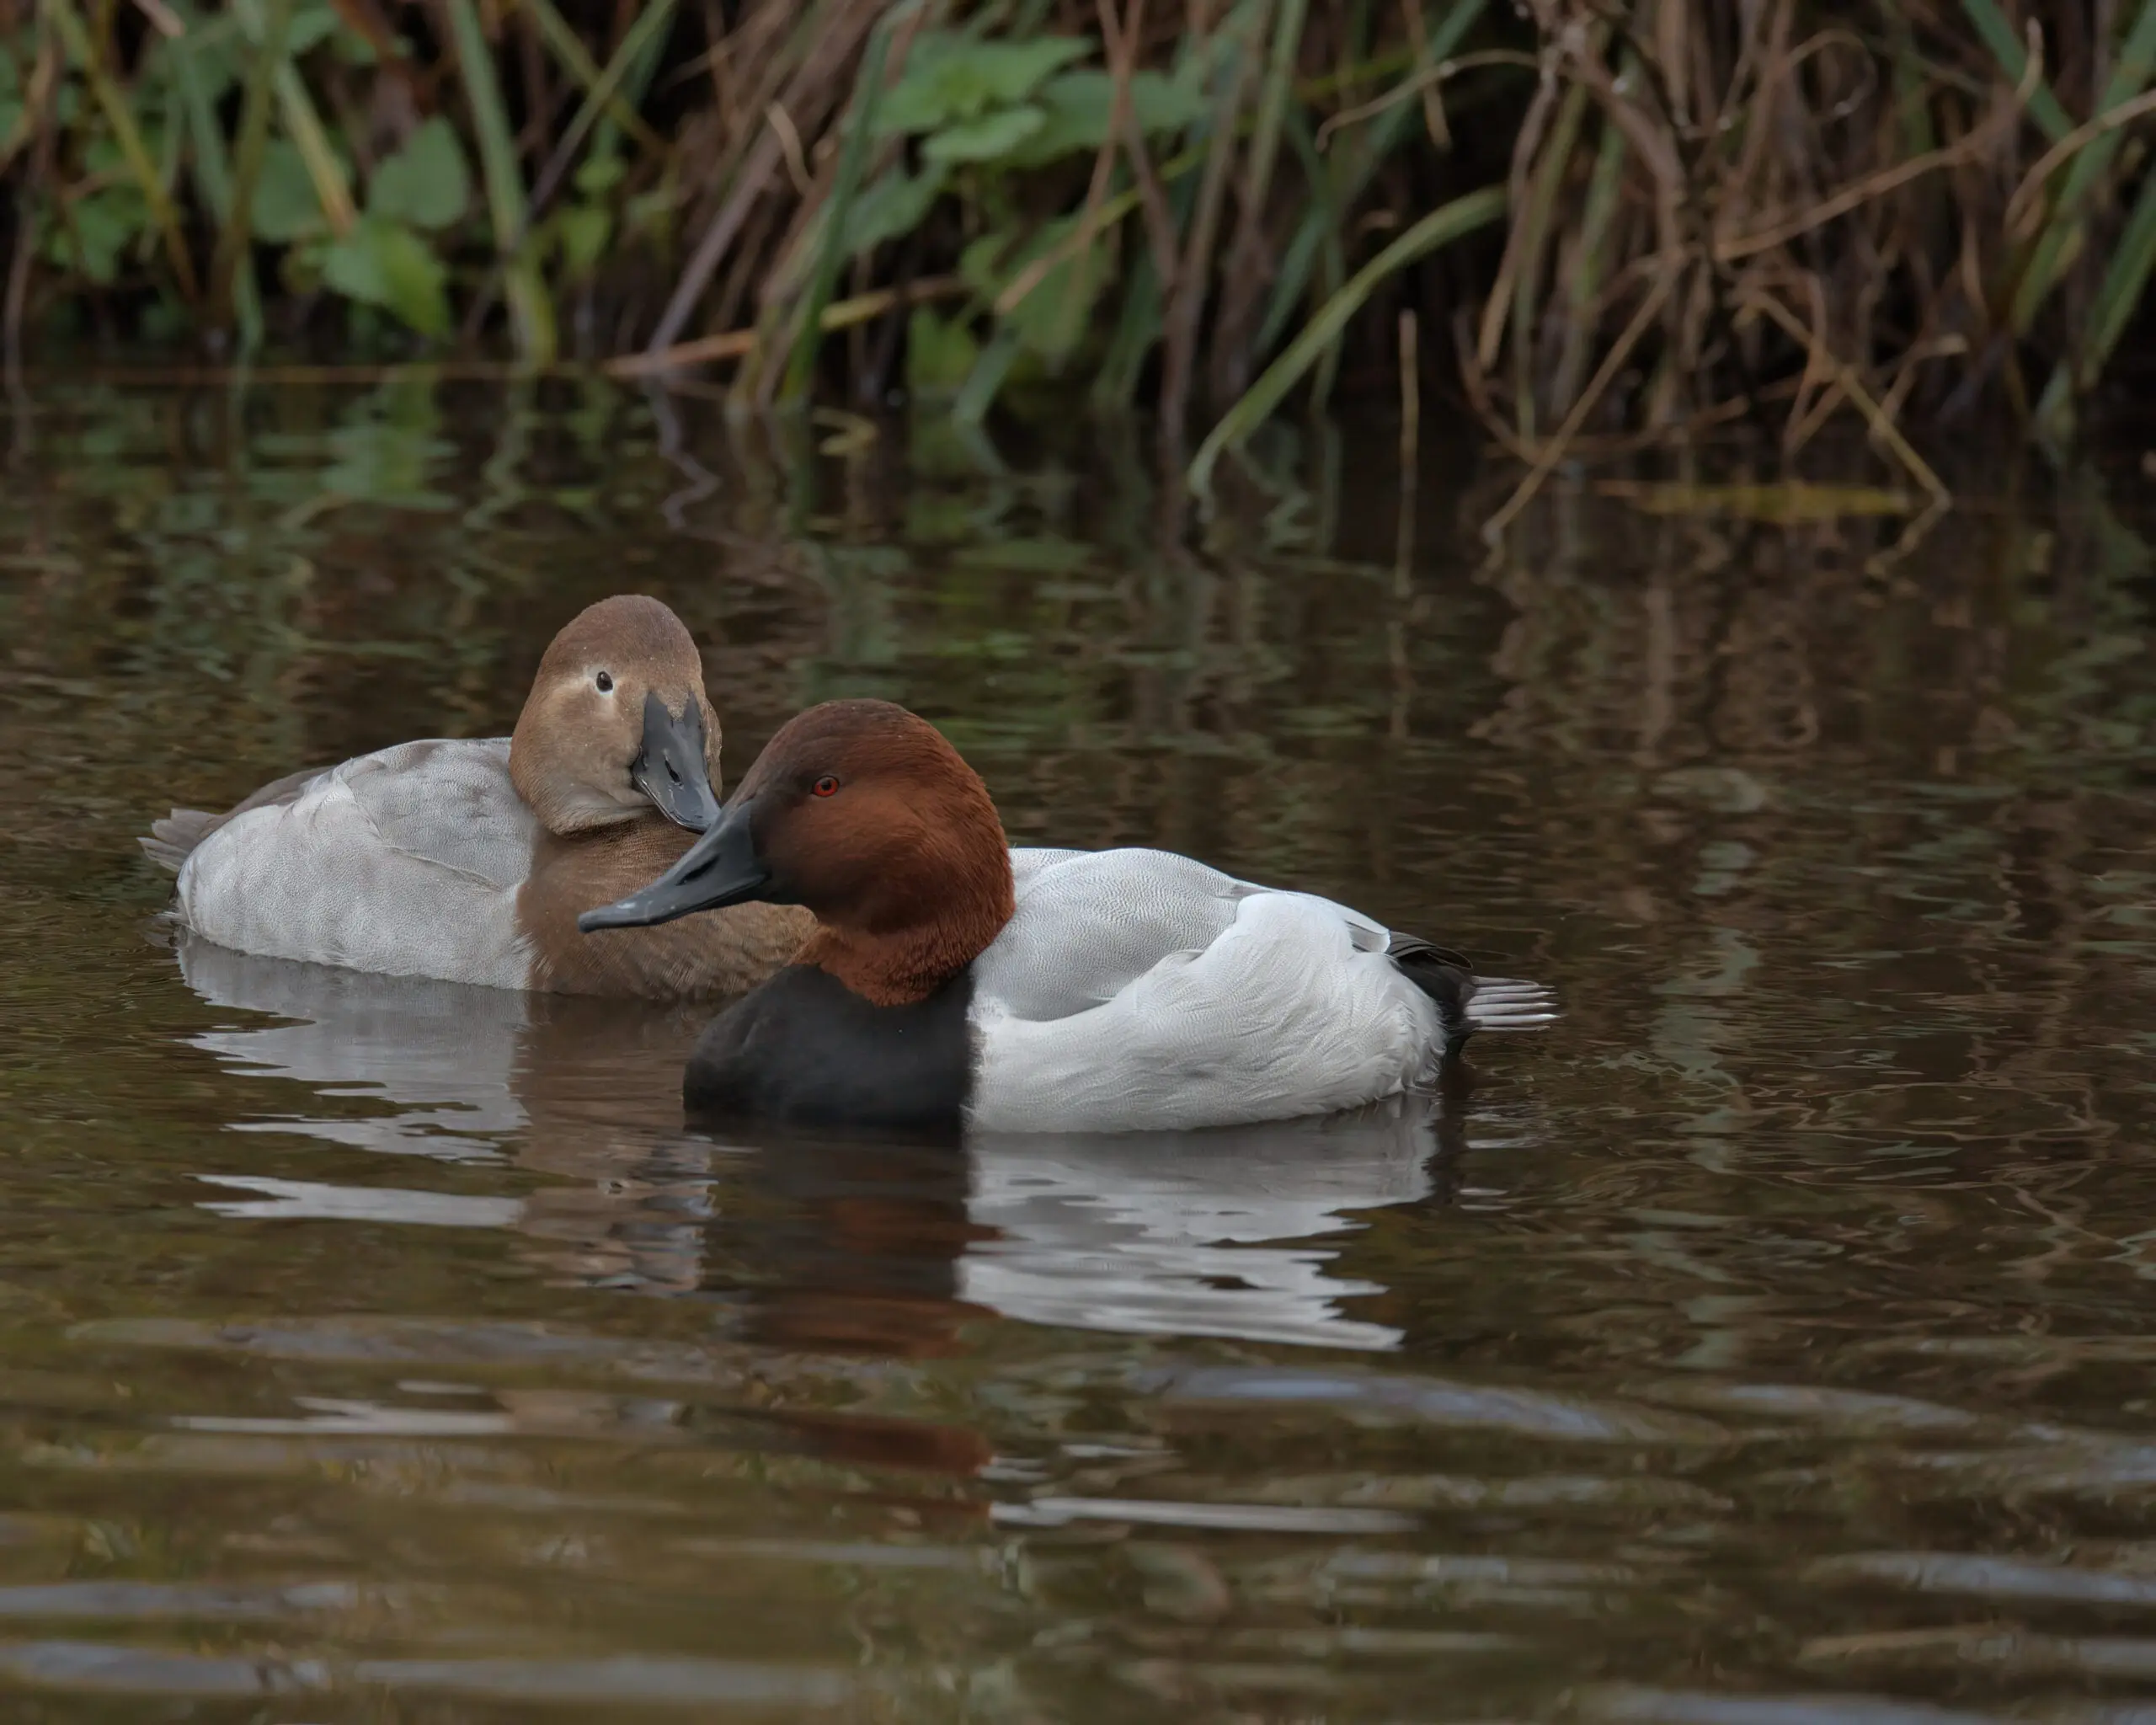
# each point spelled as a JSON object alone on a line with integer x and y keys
{"x": 1771, "y": 1341}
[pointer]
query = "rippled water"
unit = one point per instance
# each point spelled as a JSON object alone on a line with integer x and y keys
{"x": 1771, "y": 1341}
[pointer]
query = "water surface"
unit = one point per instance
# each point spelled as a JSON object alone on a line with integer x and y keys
{"x": 1770, "y": 1342}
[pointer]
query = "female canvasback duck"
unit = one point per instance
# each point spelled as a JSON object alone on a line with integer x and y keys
{"x": 952, "y": 982}
{"x": 468, "y": 860}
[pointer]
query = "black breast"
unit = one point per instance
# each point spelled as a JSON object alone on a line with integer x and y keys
{"x": 805, "y": 1051}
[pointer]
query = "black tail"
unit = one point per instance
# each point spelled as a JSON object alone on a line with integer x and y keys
{"x": 1467, "y": 1002}
{"x": 1442, "y": 974}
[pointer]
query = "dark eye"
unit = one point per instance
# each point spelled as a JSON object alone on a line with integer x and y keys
{"x": 606, "y": 681}
{"x": 824, "y": 786}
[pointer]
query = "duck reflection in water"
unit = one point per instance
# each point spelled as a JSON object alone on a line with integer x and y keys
{"x": 812, "y": 1243}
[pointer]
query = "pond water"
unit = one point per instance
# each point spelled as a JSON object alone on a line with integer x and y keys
{"x": 1770, "y": 1341}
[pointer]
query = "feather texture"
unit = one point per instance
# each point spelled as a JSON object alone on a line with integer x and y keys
{"x": 406, "y": 861}
{"x": 1137, "y": 988}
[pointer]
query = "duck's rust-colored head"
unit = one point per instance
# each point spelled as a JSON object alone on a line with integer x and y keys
{"x": 866, "y": 814}
{"x": 617, "y": 722}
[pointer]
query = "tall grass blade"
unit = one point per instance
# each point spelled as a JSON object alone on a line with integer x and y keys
{"x": 112, "y": 102}
{"x": 831, "y": 253}
{"x": 1243, "y": 276}
{"x": 1919, "y": 134}
{"x": 1531, "y": 235}
{"x": 2137, "y": 59}
{"x": 213, "y": 173}
{"x": 563, "y": 44}
{"x": 1426, "y": 75}
{"x": 324, "y": 171}
{"x": 2120, "y": 295}
{"x": 744, "y": 170}
{"x": 332, "y": 190}
{"x": 532, "y": 313}
{"x": 1582, "y": 285}
{"x": 601, "y": 97}
{"x": 1317, "y": 235}
{"x": 1441, "y": 226}
{"x": 1194, "y": 270}
{"x": 1137, "y": 333}
{"x": 230, "y": 260}
{"x": 2118, "y": 298}
{"x": 1873, "y": 184}
{"x": 978, "y": 393}
{"x": 2006, "y": 45}
{"x": 1272, "y": 104}
{"x": 1350, "y": 176}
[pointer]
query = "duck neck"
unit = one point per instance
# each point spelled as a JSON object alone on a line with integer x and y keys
{"x": 565, "y": 808}
{"x": 896, "y": 960}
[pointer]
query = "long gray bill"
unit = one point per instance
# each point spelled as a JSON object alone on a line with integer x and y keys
{"x": 721, "y": 868}
{"x": 670, "y": 767}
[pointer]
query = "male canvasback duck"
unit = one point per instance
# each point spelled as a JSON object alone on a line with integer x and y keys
{"x": 952, "y": 982}
{"x": 468, "y": 860}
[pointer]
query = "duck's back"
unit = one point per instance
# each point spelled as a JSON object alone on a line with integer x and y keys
{"x": 1138, "y": 989}
{"x": 406, "y": 861}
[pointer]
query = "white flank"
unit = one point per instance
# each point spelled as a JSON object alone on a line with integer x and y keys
{"x": 1137, "y": 988}
{"x": 405, "y": 862}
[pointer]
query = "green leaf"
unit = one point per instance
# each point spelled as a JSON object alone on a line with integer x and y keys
{"x": 950, "y": 77}
{"x": 312, "y": 22}
{"x": 988, "y": 139}
{"x": 980, "y": 389}
{"x": 425, "y": 182}
{"x": 11, "y": 101}
{"x": 980, "y": 265}
{"x": 1442, "y": 226}
{"x": 310, "y": 27}
{"x": 940, "y": 353}
{"x": 103, "y": 157}
{"x": 896, "y": 204}
{"x": 285, "y": 208}
{"x": 215, "y": 49}
{"x": 531, "y": 310}
{"x": 384, "y": 263}
{"x": 829, "y": 257}
{"x": 1202, "y": 59}
{"x": 164, "y": 319}
{"x": 2118, "y": 300}
{"x": 151, "y": 90}
{"x": 300, "y": 270}
{"x": 584, "y": 230}
{"x": 1053, "y": 315}
{"x": 1079, "y": 105}
{"x": 2040, "y": 265}
{"x": 355, "y": 50}
{"x": 104, "y": 223}
{"x": 600, "y": 173}
{"x": 2005, "y": 43}
{"x": 650, "y": 212}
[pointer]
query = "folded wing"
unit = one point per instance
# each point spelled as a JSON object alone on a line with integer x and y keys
{"x": 1135, "y": 989}
{"x": 405, "y": 862}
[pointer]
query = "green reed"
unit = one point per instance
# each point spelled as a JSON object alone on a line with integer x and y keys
{"x": 1634, "y": 219}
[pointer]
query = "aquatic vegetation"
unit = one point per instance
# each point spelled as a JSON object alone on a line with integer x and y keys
{"x": 1626, "y": 220}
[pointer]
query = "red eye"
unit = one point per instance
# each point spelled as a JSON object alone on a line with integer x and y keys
{"x": 824, "y": 786}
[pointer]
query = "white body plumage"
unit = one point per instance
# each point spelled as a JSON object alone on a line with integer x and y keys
{"x": 1136, "y": 989}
